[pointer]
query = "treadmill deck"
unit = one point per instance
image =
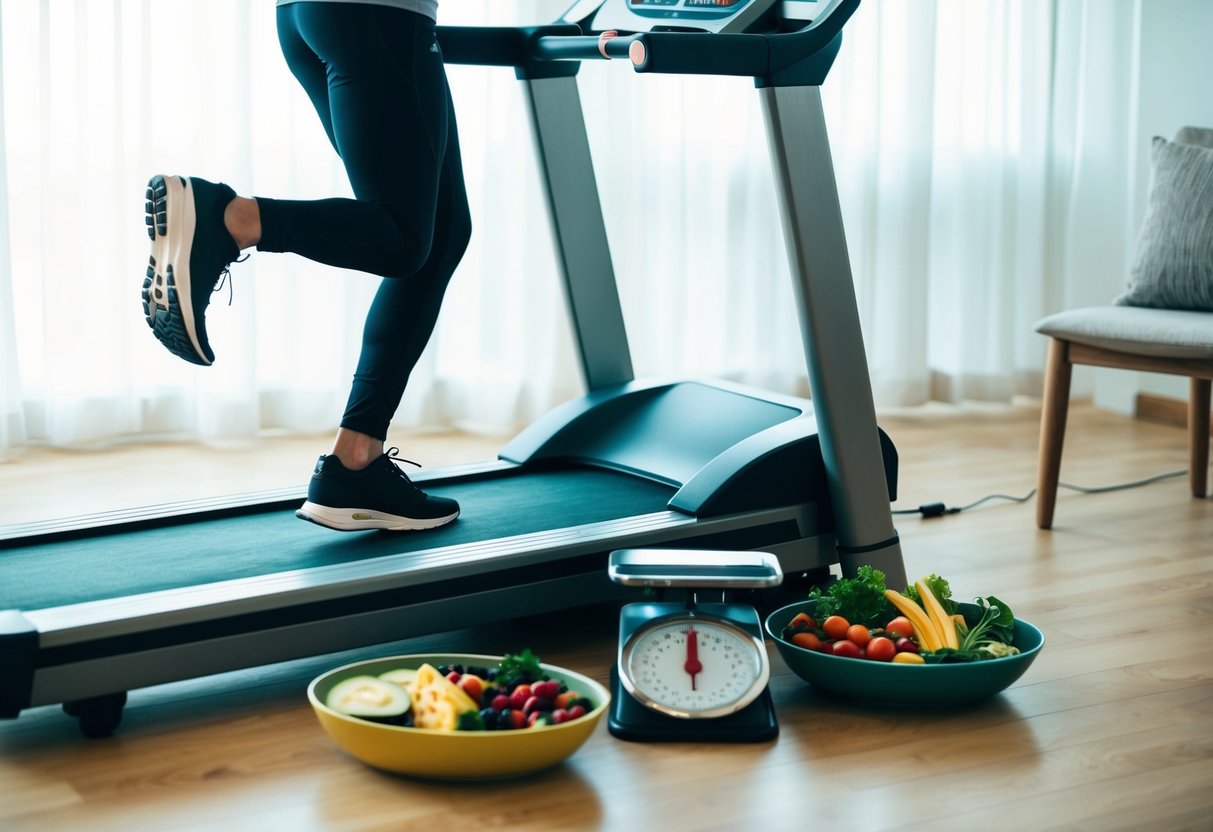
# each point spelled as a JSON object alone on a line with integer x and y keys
{"x": 120, "y": 562}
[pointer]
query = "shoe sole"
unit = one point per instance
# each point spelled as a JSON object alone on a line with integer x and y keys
{"x": 359, "y": 519}
{"x": 167, "y": 297}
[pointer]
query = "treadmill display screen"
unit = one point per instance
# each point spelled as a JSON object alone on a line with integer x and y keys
{"x": 681, "y": 15}
{"x": 725, "y": 6}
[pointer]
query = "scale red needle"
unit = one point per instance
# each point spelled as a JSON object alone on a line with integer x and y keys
{"x": 692, "y": 665}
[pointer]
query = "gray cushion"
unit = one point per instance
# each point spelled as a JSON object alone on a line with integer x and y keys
{"x": 1173, "y": 268}
{"x": 1166, "y": 333}
{"x": 1199, "y": 136}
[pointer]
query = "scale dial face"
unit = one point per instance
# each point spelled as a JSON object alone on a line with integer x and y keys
{"x": 693, "y": 666}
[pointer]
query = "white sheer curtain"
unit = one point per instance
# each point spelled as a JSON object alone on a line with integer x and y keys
{"x": 12, "y": 422}
{"x": 967, "y": 135}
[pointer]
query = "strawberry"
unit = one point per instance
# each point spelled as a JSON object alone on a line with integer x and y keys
{"x": 546, "y": 690}
{"x": 519, "y": 697}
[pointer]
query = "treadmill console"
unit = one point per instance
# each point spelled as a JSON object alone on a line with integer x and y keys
{"x": 680, "y": 15}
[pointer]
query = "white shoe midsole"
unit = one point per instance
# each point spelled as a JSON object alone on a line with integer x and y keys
{"x": 353, "y": 519}
{"x": 174, "y": 248}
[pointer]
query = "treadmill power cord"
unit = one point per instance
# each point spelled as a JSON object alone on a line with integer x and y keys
{"x": 939, "y": 509}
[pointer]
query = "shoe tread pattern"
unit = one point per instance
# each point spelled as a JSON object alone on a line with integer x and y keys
{"x": 160, "y": 304}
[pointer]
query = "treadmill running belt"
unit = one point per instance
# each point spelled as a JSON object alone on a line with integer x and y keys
{"x": 129, "y": 562}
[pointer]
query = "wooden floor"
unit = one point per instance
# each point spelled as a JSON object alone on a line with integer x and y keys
{"x": 1110, "y": 729}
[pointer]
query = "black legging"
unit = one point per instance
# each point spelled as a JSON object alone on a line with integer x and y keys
{"x": 377, "y": 80}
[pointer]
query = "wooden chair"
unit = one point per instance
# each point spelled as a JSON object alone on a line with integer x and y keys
{"x": 1173, "y": 247}
{"x": 1129, "y": 338}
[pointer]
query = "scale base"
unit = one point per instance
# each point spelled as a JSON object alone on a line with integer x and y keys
{"x": 629, "y": 720}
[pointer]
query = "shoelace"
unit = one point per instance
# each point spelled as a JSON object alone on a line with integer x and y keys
{"x": 393, "y": 455}
{"x": 225, "y": 278}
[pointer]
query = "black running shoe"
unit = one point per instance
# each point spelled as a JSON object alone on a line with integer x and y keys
{"x": 380, "y": 496}
{"x": 191, "y": 250}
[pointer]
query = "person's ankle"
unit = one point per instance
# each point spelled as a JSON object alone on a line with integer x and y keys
{"x": 242, "y": 218}
{"x": 356, "y": 450}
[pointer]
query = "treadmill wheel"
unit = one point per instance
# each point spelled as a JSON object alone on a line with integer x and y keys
{"x": 98, "y": 716}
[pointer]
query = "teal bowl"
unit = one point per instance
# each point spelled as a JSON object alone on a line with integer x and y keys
{"x": 905, "y": 685}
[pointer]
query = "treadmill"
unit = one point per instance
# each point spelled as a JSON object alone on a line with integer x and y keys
{"x": 91, "y": 607}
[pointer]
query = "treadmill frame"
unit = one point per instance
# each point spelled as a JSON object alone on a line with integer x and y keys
{"x": 69, "y": 653}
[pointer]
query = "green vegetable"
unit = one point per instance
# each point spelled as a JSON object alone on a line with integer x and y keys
{"x": 520, "y": 668}
{"x": 996, "y": 624}
{"x": 939, "y": 588}
{"x": 998, "y": 650}
{"x": 860, "y": 600}
{"x": 469, "y": 721}
{"x": 989, "y": 638}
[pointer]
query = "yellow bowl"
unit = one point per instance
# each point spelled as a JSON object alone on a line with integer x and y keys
{"x": 454, "y": 755}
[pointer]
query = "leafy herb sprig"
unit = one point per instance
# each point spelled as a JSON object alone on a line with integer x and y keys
{"x": 860, "y": 600}
{"x": 519, "y": 668}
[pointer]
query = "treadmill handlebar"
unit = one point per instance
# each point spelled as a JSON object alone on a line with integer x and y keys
{"x": 556, "y": 50}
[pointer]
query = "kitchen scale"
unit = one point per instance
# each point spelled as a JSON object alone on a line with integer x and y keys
{"x": 690, "y": 671}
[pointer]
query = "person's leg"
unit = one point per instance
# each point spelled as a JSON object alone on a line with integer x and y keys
{"x": 384, "y": 108}
{"x": 384, "y": 155}
{"x": 376, "y": 78}
{"x": 402, "y": 318}
{"x": 371, "y": 75}
{"x": 411, "y": 168}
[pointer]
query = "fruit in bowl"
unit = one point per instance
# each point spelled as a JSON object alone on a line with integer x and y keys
{"x": 430, "y": 715}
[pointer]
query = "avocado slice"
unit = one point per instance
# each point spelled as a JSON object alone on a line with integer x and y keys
{"x": 368, "y": 697}
{"x": 403, "y": 677}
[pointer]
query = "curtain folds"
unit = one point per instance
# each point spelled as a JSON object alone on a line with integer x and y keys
{"x": 12, "y": 411}
{"x": 971, "y": 139}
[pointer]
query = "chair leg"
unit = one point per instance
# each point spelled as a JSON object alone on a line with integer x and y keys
{"x": 1198, "y": 434}
{"x": 1052, "y": 429}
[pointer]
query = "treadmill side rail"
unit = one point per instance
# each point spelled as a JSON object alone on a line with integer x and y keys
{"x": 18, "y": 646}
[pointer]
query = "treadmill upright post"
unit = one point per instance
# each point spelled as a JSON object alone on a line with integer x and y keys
{"x": 830, "y": 327}
{"x": 575, "y": 212}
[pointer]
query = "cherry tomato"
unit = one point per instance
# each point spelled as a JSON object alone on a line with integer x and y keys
{"x": 836, "y": 626}
{"x": 803, "y": 621}
{"x": 902, "y": 626}
{"x": 906, "y": 645}
{"x": 847, "y": 649}
{"x": 881, "y": 649}
{"x": 826, "y": 647}
{"x": 806, "y": 640}
{"x": 908, "y": 658}
{"x": 859, "y": 634}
